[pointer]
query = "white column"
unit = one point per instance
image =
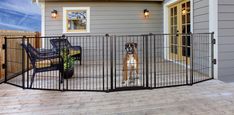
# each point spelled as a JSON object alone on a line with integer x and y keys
{"x": 213, "y": 27}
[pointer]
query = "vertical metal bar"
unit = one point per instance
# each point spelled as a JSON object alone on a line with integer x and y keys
{"x": 186, "y": 58}
{"x": 143, "y": 55}
{"x": 191, "y": 58}
{"x": 103, "y": 57}
{"x": 5, "y": 39}
{"x": 23, "y": 63}
{"x": 61, "y": 69}
{"x": 115, "y": 59}
{"x": 212, "y": 55}
{"x": 154, "y": 70}
{"x": 147, "y": 63}
{"x": 27, "y": 67}
{"x": 111, "y": 59}
{"x": 107, "y": 64}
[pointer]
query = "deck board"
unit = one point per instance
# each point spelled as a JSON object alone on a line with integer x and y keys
{"x": 207, "y": 98}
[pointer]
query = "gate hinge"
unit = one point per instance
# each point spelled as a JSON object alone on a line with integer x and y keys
{"x": 3, "y": 66}
{"x": 213, "y": 41}
{"x": 4, "y": 46}
{"x": 214, "y": 61}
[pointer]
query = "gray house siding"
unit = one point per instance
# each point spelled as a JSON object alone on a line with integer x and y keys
{"x": 201, "y": 16}
{"x": 225, "y": 40}
{"x": 110, "y": 17}
{"x": 201, "y": 25}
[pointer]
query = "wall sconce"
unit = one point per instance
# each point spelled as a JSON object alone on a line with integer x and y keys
{"x": 146, "y": 13}
{"x": 54, "y": 13}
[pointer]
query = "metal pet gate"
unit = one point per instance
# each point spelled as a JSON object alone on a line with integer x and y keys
{"x": 164, "y": 60}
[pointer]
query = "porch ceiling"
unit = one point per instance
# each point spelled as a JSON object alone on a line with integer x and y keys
{"x": 97, "y": 0}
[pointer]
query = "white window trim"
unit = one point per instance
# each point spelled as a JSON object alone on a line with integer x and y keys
{"x": 75, "y": 8}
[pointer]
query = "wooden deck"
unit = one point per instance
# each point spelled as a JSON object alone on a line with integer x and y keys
{"x": 207, "y": 98}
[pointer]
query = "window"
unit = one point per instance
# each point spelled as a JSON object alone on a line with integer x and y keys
{"x": 76, "y": 20}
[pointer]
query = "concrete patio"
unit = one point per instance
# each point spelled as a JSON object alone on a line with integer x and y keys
{"x": 208, "y": 98}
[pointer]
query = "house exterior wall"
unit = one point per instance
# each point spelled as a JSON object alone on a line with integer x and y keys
{"x": 201, "y": 16}
{"x": 201, "y": 25}
{"x": 225, "y": 40}
{"x": 109, "y": 17}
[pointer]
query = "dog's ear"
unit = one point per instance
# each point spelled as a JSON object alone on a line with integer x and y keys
{"x": 135, "y": 44}
{"x": 126, "y": 45}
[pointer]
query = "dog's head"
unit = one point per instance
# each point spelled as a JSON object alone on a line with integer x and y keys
{"x": 130, "y": 48}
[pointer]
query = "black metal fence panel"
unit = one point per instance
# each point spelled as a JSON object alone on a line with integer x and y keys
{"x": 110, "y": 62}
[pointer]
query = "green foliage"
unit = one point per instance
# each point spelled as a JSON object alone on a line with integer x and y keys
{"x": 67, "y": 59}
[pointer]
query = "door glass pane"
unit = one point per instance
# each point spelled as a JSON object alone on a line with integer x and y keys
{"x": 188, "y": 52}
{"x": 188, "y": 40}
{"x": 183, "y": 19}
{"x": 171, "y": 11}
{"x": 175, "y": 50}
{"x": 175, "y": 11}
{"x": 183, "y": 29}
{"x": 171, "y": 40}
{"x": 183, "y": 40}
{"x": 188, "y": 28}
{"x": 172, "y": 21}
{"x": 188, "y": 17}
{"x": 183, "y": 51}
{"x": 183, "y": 6}
{"x": 175, "y": 20}
{"x": 188, "y": 5}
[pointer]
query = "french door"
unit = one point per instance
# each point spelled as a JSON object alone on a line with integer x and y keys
{"x": 179, "y": 26}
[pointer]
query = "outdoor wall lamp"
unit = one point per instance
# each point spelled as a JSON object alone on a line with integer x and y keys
{"x": 54, "y": 13}
{"x": 146, "y": 13}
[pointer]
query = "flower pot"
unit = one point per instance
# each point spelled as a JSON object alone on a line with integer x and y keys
{"x": 68, "y": 73}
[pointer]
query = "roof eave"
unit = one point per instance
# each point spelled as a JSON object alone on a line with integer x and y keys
{"x": 37, "y": 1}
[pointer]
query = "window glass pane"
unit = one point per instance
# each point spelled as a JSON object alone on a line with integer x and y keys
{"x": 77, "y": 20}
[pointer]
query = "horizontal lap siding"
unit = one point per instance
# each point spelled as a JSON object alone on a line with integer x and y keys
{"x": 201, "y": 16}
{"x": 226, "y": 40}
{"x": 110, "y": 17}
{"x": 201, "y": 52}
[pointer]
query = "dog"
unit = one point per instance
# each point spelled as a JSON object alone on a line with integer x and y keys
{"x": 130, "y": 64}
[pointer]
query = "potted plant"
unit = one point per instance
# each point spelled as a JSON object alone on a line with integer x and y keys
{"x": 68, "y": 64}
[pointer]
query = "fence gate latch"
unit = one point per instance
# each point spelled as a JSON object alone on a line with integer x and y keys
{"x": 214, "y": 61}
{"x": 4, "y": 46}
{"x": 213, "y": 41}
{"x": 3, "y": 66}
